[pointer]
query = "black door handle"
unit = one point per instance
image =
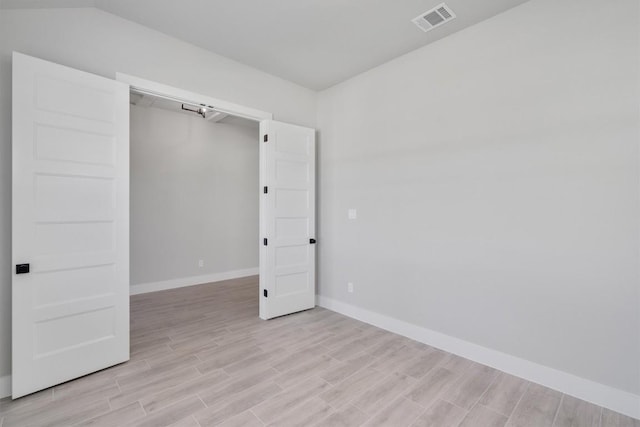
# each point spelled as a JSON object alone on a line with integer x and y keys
{"x": 22, "y": 268}
{"x": 312, "y": 241}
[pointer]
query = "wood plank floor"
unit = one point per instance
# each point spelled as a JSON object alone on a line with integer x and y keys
{"x": 201, "y": 357}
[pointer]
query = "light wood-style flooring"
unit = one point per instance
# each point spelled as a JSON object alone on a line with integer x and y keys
{"x": 201, "y": 357}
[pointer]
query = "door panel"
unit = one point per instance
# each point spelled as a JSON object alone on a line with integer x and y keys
{"x": 287, "y": 261}
{"x": 70, "y": 223}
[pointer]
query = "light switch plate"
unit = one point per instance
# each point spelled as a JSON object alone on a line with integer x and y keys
{"x": 352, "y": 214}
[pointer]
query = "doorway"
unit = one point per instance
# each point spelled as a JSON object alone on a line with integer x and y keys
{"x": 286, "y": 194}
{"x": 194, "y": 208}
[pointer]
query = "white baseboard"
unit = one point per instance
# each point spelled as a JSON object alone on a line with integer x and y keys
{"x": 617, "y": 400}
{"x": 5, "y": 386}
{"x": 143, "y": 288}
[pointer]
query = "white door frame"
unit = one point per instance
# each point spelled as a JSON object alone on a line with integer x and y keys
{"x": 166, "y": 91}
{"x": 175, "y": 93}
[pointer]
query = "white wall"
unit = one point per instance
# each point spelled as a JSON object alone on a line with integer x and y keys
{"x": 496, "y": 178}
{"x": 98, "y": 42}
{"x": 194, "y": 196}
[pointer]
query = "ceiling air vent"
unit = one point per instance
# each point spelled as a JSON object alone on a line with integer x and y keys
{"x": 434, "y": 18}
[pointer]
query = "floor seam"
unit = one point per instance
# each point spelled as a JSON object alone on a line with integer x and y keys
{"x": 599, "y": 421}
{"x": 477, "y": 402}
{"x": 517, "y": 404}
{"x": 252, "y": 413}
{"x": 555, "y": 416}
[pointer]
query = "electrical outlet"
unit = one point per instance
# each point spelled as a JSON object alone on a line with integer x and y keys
{"x": 350, "y": 287}
{"x": 200, "y": 263}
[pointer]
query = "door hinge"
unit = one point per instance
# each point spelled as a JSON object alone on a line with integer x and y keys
{"x": 265, "y": 293}
{"x": 264, "y": 241}
{"x": 265, "y": 189}
{"x": 265, "y": 138}
{"x": 312, "y": 241}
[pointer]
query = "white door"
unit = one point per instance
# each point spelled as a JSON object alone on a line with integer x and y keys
{"x": 70, "y": 224}
{"x": 287, "y": 219}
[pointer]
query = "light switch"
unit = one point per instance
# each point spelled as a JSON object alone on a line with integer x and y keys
{"x": 352, "y": 214}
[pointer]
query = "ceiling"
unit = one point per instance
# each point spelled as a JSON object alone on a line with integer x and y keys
{"x": 315, "y": 43}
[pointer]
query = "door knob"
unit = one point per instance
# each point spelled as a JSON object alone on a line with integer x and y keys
{"x": 22, "y": 268}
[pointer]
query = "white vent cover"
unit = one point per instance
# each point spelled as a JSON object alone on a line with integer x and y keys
{"x": 433, "y": 18}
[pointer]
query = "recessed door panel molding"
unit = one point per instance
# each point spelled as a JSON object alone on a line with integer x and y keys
{"x": 60, "y": 334}
{"x": 288, "y": 142}
{"x": 64, "y": 286}
{"x": 71, "y": 97}
{"x": 291, "y": 202}
{"x": 294, "y": 172}
{"x": 74, "y": 237}
{"x": 292, "y": 255}
{"x": 74, "y": 198}
{"x": 287, "y": 219}
{"x": 292, "y": 227}
{"x": 74, "y": 145}
{"x": 70, "y": 308}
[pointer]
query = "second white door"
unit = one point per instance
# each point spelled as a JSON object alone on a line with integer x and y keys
{"x": 287, "y": 219}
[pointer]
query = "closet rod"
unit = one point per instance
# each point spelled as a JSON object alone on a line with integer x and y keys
{"x": 182, "y": 101}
